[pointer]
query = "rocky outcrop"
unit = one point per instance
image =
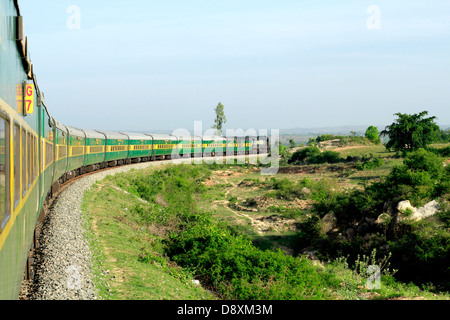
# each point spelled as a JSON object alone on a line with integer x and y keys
{"x": 408, "y": 212}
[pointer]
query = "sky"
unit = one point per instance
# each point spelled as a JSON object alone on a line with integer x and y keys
{"x": 148, "y": 65}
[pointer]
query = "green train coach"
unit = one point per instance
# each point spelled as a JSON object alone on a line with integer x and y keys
{"x": 38, "y": 153}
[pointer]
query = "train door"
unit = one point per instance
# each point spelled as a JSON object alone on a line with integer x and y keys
{"x": 53, "y": 139}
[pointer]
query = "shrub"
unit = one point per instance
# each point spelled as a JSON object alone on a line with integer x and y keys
{"x": 368, "y": 163}
{"x": 421, "y": 177}
{"x": 422, "y": 251}
{"x": 313, "y": 155}
{"x": 303, "y": 154}
{"x": 285, "y": 188}
{"x": 442, "y": 152}
{"x": 425, "y": 161}
{"x": 326, "y": 157}
{"x": 239, "y": 270}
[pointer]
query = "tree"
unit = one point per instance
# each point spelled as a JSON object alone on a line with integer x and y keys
{"x": 373, "y": 135}
{"x": 292, "y": 143}
{"x": 444, "y": 136}
{"x": 411, "y": 132}
{"x": 220, "y": 120}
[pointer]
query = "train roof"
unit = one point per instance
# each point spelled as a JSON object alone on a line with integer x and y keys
{"x": 214, "y": 138}
{"x": 137, "y": 136}
{"x": 93, "y": 134}
{"x": 162, "y": 136}
{"x": 60, "y": 126}
{"x": 113, "y": 135}
{"x": 183, "y": 137}
{"x": 76, "y": 132}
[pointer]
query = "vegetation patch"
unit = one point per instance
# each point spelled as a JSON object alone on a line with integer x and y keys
{"x": 188, "y": 223}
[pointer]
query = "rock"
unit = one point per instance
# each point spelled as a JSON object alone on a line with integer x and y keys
{"x": 305, "y": 190}
{"x": 362, "y": 227}
{"x": 383, "y": 218}
{"x": 329, "y": 222}
{"x": 428, "y": 210}
{"x": 403, "y": 206}
{"x": 415, "y": 214}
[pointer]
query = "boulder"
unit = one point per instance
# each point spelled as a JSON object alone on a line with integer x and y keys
{"x": 363, "y": 227}
{"x": 415, "y": 214}
{"x": 404, "y": 206}
{"x": 329, "y": 222}
{"x": 383, "y": 218}
{"x": 428, "y": 210}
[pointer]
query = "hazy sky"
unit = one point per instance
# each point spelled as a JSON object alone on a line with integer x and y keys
{"x": 144, "y": 64}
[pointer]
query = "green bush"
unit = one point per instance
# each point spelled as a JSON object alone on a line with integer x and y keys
{"x": 285, "y": 189}
{"x": 425, "y": 161}
{"x": 239, "y": 270}
{"x": 442, "y": 152}
{"x": 303, "y": 154}
{"x": 326, "y": 157}
{"x": 420, "y": 178}
{"x": 369, "y": 162}
{"x": 422, "y": 252}
{"x": 313, "y": 155}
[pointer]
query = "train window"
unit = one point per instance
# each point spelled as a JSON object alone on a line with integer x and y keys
{"x": 5, "y": 212}
{"x": 24, "y": 162}
{"x": 35, "y": 162}
{"x": 16, "y": 155}
{"x": 29, "y": 157}
{"x": 48, "y": 153}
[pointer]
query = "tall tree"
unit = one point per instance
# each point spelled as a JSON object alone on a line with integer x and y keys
{"x": 220, "y": 120}
{"x": 411, "y": 132}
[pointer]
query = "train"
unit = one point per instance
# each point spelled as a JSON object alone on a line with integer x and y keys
{"x": 38, "y": 153}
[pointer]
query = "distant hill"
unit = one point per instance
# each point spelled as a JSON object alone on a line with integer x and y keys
{"x": 342, "y": 130}
{"x": 310, "y": 132}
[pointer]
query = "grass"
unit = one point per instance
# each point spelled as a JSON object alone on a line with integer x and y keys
{"x": 120, "y": 242}
{"x": 376, "y": 150}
